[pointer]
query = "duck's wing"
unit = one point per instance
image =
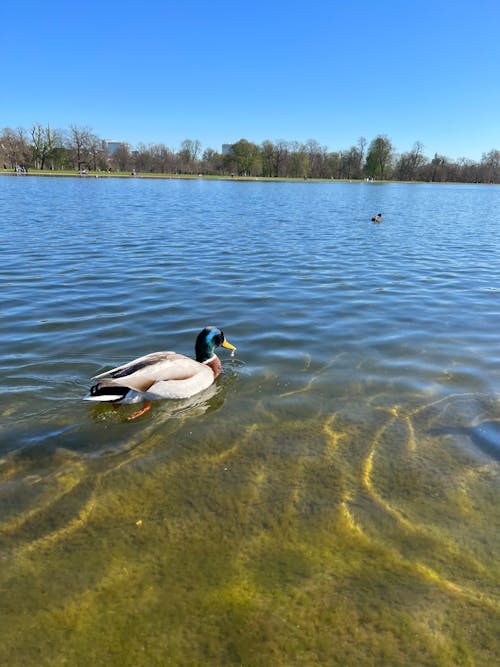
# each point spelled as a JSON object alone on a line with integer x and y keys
{"x": 137, "y": 364}
{"x": 144, "y": 372}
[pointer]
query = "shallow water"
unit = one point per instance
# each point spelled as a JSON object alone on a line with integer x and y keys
{"x": 331, "y": 500}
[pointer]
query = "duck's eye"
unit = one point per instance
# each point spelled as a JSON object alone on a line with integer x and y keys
{"x": 219, "y": 339}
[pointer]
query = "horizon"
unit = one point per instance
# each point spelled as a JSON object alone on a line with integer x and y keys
{"x": 164, "y": 73}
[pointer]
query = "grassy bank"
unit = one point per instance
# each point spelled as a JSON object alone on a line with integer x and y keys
{"x": 218, "y": 177}
{"x": 127, "y": 174}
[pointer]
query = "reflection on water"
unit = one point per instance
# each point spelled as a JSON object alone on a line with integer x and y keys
{"x": 484, "y": 435}
{"x": 331, "y": 500}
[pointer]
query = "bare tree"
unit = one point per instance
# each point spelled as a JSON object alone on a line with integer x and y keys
{"x": 191, "y": 148}
{"x": 39, "y": 145}
{"x": 14, "y": 147}
{"x": 351, "y": 163}
{"x": 299, "y": 165}
{"x": 361, "y": 151}
{"x": 269, "y": 166}
{"x": 211, "y": 162}
{"x": 79, "y": 145}
{"x": 97, "y": 156}
{"x": 490, "y": 163}
{"x": 282, "y": 157}
{"x": 121, "y": 158}
{"x": 334, "y": 164}
{"x": 317, "y": 158}
{"x": 155, "y": 158}
{"x": 45, "y": 145}
{"x": 188, "y": 155}
{"x": 409, "y": 164}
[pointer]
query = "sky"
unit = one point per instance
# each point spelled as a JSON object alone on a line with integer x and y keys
{"x": 161, "y": 71}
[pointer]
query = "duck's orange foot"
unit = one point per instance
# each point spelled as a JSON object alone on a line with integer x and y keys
{"x": 139, "y": 413}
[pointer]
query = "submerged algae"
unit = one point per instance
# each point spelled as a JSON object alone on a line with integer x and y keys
{"x": 260, "y": 537}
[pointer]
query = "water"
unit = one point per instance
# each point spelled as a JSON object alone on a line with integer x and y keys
{"x": 331, "y": 500}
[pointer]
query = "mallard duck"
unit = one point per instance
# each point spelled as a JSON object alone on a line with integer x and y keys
{"x": 163, "y": 374}
{"x": 377, "y": 218}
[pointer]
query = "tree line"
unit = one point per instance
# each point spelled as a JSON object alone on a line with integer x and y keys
{"x": 80, "y": 148}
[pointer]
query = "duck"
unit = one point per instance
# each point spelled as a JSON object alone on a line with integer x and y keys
{"x": 377, "y": 218}
{"x": 162, "y": 375}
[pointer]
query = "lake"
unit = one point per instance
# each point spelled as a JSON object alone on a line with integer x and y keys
{"x": 332, "y": 499}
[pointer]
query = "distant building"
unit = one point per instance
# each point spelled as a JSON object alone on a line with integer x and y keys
{"x": 227, "y": 149}
{"x": 111, "y": 147}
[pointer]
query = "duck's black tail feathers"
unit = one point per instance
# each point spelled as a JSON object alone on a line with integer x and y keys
{"x": 103, "y": 391}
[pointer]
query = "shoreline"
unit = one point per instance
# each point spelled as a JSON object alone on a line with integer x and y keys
{"x": 211, "y": 177}
{"x": 172, "y": 176}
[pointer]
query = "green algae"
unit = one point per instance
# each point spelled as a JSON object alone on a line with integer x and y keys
{"x": 259, "y": 536}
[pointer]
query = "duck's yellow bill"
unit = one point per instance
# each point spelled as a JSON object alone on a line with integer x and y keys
{"x": 228, "y": 345}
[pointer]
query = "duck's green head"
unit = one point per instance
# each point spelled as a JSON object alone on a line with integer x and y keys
{"x": 207, "y": 341}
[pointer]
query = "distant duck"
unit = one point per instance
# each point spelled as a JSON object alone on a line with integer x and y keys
{"x": 377, "y": 218}
{"x": 162, "y": 374}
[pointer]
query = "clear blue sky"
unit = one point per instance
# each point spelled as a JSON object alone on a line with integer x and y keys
{"x": 160, "y": 71}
